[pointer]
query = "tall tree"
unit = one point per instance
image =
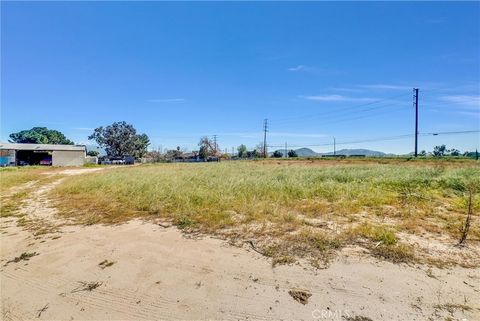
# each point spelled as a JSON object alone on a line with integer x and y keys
{"x": 292, "y": 153}
{"x": 242, "y": 151}
{"x": 93, "y": 153}
{"x": 454, "y": 152}
{"x": 439, "y": 151}
{"x": 277, "y": 154}
{"x": 40, "y": 135}
{"x": 121, "y": 139}
{"x": 208, "y": 147}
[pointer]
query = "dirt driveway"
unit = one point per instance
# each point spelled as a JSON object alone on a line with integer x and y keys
{"x": 143, "y": 271}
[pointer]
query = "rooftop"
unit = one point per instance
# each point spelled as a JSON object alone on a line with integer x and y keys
{"x": 50, "y": 147}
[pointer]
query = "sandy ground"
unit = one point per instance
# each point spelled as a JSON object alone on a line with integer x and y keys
{"x": 160, "y": 274}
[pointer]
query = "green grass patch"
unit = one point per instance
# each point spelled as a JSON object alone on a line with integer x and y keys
{"x": 280, "y": 200}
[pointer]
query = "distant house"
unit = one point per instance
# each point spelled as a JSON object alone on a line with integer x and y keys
{"x": 41, "y": 154}
{"x": 191, "y": 157}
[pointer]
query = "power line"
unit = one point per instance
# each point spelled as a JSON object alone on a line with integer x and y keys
{"x": 335, "y": 121}
{"x": 451, "y": 133}
{"x": 415, "y": 103}
{"x": 336, "y": 111}
{"x": 334, "y": 118}
{"x": 378, "y": 139}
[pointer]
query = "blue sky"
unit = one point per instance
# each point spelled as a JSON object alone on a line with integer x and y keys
{"x": 178, "y": 71}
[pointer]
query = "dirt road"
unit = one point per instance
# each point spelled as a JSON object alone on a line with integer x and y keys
{"x": 152, "y": 272}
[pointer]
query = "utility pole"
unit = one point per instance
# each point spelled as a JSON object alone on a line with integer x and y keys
{"x": 215, "y": 143}
{"x": 334, "y": 147}
{"x": 286, "y": 152}
{"x": 415, "y": 103}
{"x": 265, "y": 129}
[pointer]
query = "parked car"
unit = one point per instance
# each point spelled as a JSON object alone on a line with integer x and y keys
{"x": 117, "y": 160}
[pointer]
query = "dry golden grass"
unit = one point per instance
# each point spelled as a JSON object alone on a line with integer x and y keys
{"x": 17, "y": 183}
{"x": 15, "y": 176}
{"x": 290, "y": 209}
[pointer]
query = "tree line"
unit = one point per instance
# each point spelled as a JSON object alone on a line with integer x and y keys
{"x": 118, "y": 139}
{"x": 121, "y": 139}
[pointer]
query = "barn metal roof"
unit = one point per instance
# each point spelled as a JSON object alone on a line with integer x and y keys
{"x": 6, "y": 146}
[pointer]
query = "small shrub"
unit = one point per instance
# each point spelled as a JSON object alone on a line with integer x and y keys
{"x": 184, "y": 222}
{"x": 377, "y": 234}
{"x": 399, "y": 253}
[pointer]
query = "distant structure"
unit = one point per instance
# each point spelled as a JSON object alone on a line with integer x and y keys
{"x": 41, "y": 154}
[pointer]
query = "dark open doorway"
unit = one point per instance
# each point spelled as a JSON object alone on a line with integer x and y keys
{"x": 33, "y": 157}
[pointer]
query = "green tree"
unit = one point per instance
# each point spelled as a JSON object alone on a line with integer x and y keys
{"x": 252, "y": 154}
{"x": 454, "y": 152}
{"x": 208, "y": 147}
{"x": 292, "y": 153}
{"x": 92, "y": 153}
{"x": 202, "y": 153}
{"x": 141, "y": 145}
{"x": 40, "y": 135}
{"x": 121, "y": 139}
{"x": 439, "y": 151}
{"x": 242, "y": 151}
{"x": 277, "y": 154}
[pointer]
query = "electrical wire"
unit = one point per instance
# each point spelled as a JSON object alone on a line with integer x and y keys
{"x": 336, "y": 111}
{"x": 379, "y": 139}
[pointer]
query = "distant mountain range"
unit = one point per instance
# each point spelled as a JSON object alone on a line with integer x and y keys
{"x": 307, "y": 152}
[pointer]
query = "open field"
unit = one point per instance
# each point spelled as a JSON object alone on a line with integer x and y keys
{"x": 291, "y": 210}
{"x": 321, "y": 240}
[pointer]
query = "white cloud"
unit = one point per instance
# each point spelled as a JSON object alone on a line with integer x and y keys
{"x": 298, "y": 68}
{"x": 84, "y": 128}
{"x": 465, "y": 100}
{"x": 166, "y": 100}
{"x": 345, "y": 89}
{"x": 339, "y": 98}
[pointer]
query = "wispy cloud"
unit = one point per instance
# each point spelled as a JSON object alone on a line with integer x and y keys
{"x": 471, "y": 113}
{"x": 339, "y": 98}
{"x": 299, "y": 68}
{"x": 465, "y": 100}
{"x": 84, "y": 128}
{"x": 346, "y": 89}
{"x": 315, "y": 70}
{"x": 386, "y": 87}
{"x": 166, "y": 100}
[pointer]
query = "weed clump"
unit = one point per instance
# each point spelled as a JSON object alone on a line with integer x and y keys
{"x": 87, "y": 286}
{"x": 399, "y": 253}
{"x": 375, "y": 233}
{"x": 23, "y": 257}
{"x": 300, "y": 296}
{"x": 106, "y": 263}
